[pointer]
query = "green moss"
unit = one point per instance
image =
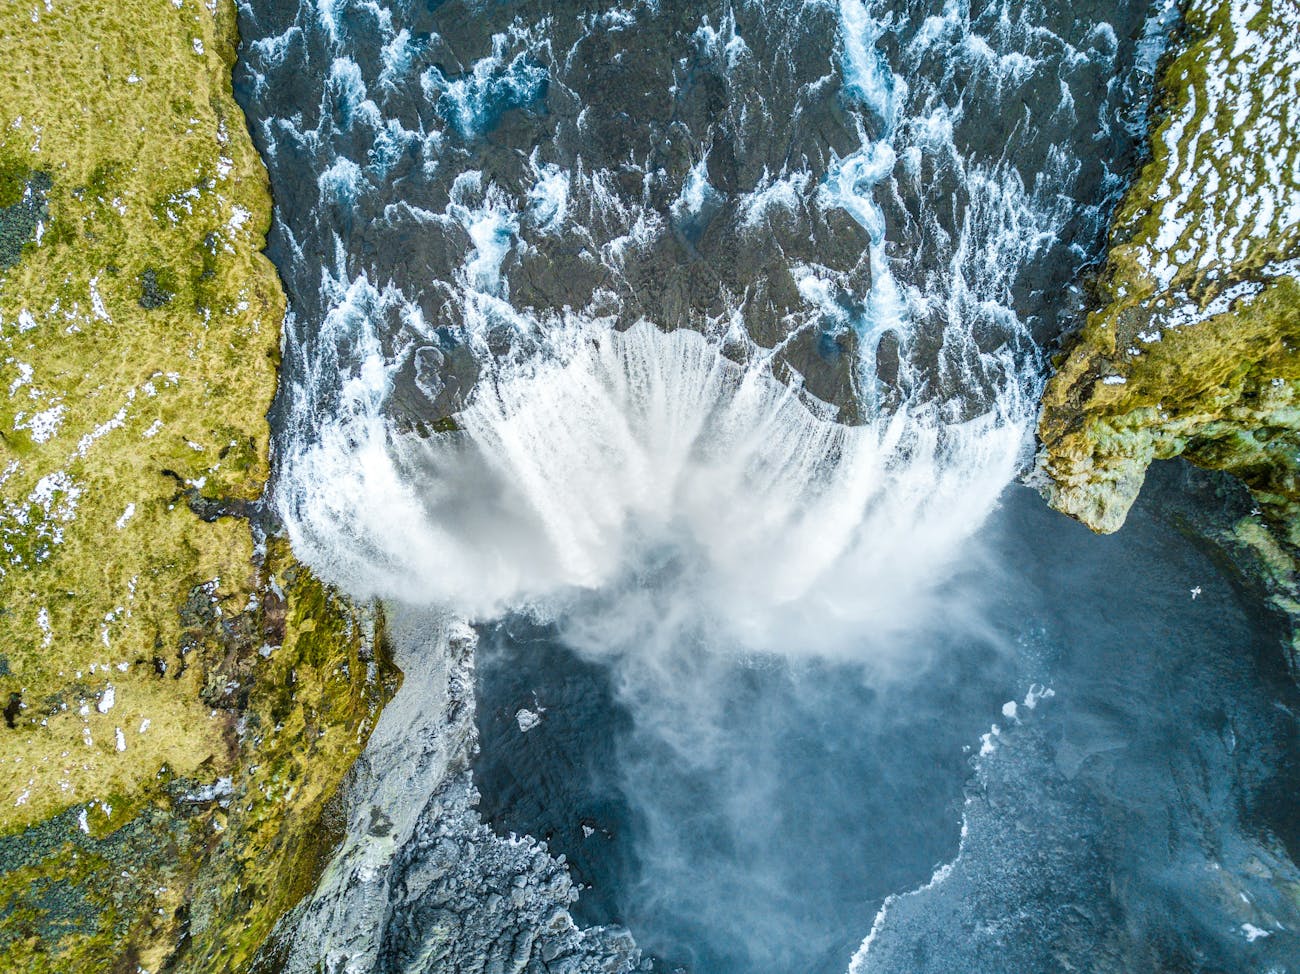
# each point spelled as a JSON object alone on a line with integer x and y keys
{"x": 13, "y": 182}
{"x": 299, "y": 681}
{"x": 310, "y": 711}
{"x": 75, "y": 901}
{"x": 1193, "y": 348}
{"x": 138, "y": 351}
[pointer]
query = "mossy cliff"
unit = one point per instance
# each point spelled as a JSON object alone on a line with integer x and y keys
{"x": 1193, "y": 348}
{"x": 182, "y": 699}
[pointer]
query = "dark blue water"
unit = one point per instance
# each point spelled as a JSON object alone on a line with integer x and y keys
{"x": 1140, "y": 817}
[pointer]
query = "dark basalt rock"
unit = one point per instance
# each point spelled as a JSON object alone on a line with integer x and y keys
{"x": 22, "y": 208}
{"x": 153, "y": 294}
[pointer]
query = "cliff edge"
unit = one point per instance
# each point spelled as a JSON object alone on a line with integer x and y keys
{"x": 182, "y": 698}
{"x": 1193, "y": 348}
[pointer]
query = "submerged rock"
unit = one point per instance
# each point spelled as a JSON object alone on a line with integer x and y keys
{"x": 1193, "y": 349}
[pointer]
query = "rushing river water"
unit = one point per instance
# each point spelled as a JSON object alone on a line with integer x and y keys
{"x": 690, "y": 351}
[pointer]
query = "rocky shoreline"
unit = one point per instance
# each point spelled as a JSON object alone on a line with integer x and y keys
{"x": 419, "y": 881}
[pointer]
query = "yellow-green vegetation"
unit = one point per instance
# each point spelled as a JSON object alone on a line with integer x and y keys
{"x": 1194, "y": 346}
{"x": 181, "y": 698}
{"x": 190, "y": 872}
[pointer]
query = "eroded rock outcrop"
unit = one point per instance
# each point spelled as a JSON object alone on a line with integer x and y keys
{"x": 1194, "y": 347}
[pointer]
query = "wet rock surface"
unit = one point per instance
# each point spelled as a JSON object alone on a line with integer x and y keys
{"x": 420, "y": 884}
{"x": 488, "y": 173}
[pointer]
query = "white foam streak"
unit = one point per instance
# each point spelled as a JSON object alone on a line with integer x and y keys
{"x": 852, "y": 181}
{"x": 548, "y": 199}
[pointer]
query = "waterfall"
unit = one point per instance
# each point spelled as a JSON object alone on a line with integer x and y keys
{"x": 707, "y": 336}
{"x": 570, "y": 474}
{"x": 592, "y": 444}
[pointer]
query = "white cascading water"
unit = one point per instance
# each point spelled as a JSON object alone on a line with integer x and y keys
{"x": 569, "y": 474}
{"x": 585, "y": 461}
